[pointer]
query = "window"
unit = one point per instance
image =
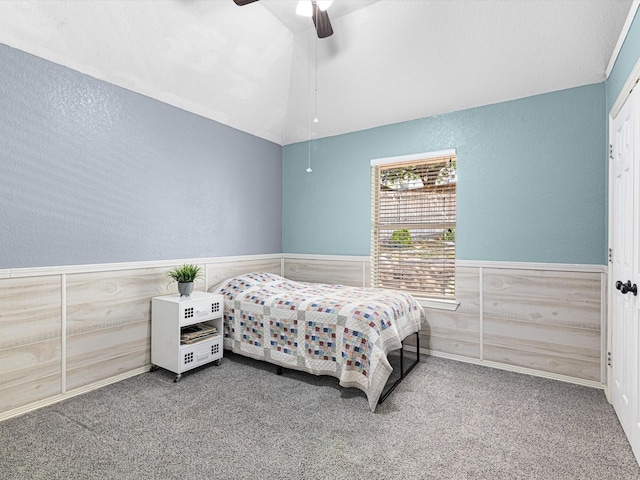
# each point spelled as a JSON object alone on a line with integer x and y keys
{"x": 414, "y": 224}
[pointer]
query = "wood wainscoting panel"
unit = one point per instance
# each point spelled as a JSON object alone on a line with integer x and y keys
{"x": 109, "y": 322}
{"x": 451, "y": 333}
{"x": 218, "y": 272}
{"x": 552, "y": 297}
{"x": 100, "y": 354}
{"x": 329, "y": 270}
{"x": 544, "y": 320}
{"x": 468, "y": 290}
{"x": 456, "y": 332}
{"x": 31, "y": 340}
{"x": 565, "y": 351}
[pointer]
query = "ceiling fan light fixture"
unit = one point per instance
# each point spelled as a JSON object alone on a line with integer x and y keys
{"x": 305, "y": 8}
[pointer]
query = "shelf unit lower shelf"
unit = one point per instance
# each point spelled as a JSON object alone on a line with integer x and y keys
{"x": 195, "y": 354}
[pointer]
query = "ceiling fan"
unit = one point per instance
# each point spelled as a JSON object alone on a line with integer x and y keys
{"x": 318, "y": 13}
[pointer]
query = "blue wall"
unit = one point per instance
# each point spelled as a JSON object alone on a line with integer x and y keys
{"x": 531, "y": 180}
{"x": 93, "y": 173}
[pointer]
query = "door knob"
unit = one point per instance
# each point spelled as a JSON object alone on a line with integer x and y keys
{"x": 627, "y": 287}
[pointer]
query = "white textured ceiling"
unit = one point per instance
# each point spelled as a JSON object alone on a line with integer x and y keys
{"x": 254, "y": 67}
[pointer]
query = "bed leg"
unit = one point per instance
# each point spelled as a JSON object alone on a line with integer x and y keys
{"x": 278, "y": 370}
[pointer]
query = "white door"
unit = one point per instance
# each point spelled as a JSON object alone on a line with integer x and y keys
{"x": 625, "y": 267}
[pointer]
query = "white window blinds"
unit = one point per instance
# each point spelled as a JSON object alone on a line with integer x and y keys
{"x": 414, "y": 226}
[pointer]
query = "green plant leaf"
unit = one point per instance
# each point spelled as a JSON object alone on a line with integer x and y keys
{"x": 184, "y": 274}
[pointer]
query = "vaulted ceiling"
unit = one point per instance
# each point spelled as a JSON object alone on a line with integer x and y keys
{"x": 260, "y": 68}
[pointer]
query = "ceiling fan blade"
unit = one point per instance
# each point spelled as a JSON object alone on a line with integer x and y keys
{"x": 242, "y": 3}
{"x": 321, "y": 21}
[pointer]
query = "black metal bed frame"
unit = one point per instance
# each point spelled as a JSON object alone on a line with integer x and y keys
{"x": 403, "y": 372}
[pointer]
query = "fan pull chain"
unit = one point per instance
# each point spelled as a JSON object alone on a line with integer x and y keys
{"x": 315, "y": 120}
{"x": 309, "y": 170}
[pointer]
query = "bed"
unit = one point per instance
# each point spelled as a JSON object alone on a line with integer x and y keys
{"x": 336, "y": 330}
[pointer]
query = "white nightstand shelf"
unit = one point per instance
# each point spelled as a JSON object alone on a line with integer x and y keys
{"x": 186, "y": 332}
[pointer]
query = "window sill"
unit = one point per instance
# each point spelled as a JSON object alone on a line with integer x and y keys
{"x": 437, "y": 304}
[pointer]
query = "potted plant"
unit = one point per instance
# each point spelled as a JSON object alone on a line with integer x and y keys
{"x": 185, "y": 276}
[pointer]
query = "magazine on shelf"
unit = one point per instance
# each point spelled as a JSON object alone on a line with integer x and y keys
{"x": 197, "y": 332}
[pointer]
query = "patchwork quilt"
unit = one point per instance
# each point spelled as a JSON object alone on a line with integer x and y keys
{"x": 323, "y": 329}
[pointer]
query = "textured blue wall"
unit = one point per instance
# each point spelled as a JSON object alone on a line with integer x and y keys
{"x": 93, "y": 173}
{"x": 531, "y": 180}
{"x": 627, "y": 58}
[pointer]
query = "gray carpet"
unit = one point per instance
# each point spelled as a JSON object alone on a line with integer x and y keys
{"x": 447, "y": 420}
